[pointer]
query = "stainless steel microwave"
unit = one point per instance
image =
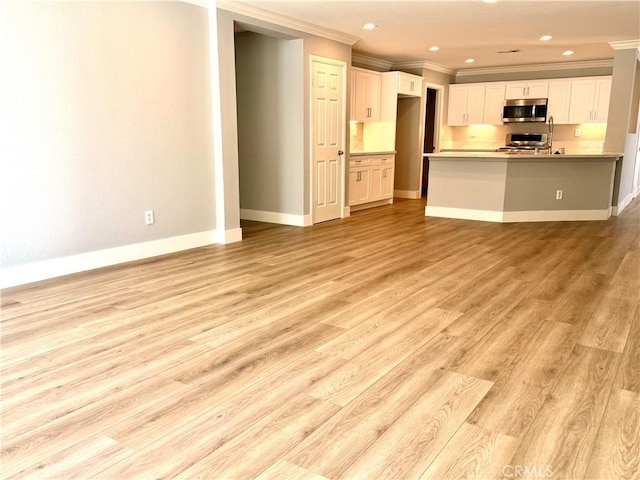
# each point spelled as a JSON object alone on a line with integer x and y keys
{"x": 525, "y": 110}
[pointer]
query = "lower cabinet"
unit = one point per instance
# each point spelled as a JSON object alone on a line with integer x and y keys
{"x": 371, "y": 179}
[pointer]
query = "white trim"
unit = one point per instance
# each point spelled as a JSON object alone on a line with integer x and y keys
{"x": 463, "y": 214}
{"x": 617, "y": 210}
{"x": 377, "y": 203}
{"x": 370, "y": 61}
{"x": 556, "y": 215}
{"x": 288, "y": 22}
{"x": 625, "y": 44}
{"x": 436, "y": 67}
{"x": 275, "y": 217}
{"x": 521, "y": 216}
{"x": 608, "y": 63}
{"x": 346, "y": 212}
{"x": 413, "y": 194}
{"x": 56, "y": 267}
{"x": 229, "y": 236}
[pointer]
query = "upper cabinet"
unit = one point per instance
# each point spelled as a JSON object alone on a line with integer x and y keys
{"x": 559, "y": 97}
{"x": 409, "y": 85}
{"x": 590, "y": 100}
{"x": 529, "y": 89}
{"x": 365, "y": 95}
{"x": 475, "y": 103}
{"x": 466, "y": 104}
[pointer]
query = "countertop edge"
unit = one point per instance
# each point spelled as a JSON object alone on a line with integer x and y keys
{"x": 505, "y": 157}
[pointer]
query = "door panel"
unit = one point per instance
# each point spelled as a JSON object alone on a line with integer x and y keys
{"x": 327, "y": 132}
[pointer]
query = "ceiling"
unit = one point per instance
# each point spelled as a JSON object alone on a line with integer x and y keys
{"x": 471, "y": 29}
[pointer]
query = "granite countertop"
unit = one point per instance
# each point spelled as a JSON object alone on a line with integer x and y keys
{"x": 384, "y": 152}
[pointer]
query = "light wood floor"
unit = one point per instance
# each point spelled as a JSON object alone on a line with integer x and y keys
{"x": 383, "y": 345}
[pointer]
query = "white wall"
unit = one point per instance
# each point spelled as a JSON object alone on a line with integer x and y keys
{"x": 106, "y": 112}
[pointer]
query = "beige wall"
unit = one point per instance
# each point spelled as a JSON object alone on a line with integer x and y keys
{"x": 106, "y": 113}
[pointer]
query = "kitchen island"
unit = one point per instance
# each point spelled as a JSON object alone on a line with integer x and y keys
{"x": 505, "y": 187}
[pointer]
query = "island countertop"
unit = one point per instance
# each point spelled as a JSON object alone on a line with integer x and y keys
{"x": 515, "y": 157}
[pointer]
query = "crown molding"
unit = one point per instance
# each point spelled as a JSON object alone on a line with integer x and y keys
{"x": 284, "y": 21}
{"x": 608, "y": 63}
{"x": 625, "y": 44}
{"x": 371, "y": 61}
{"x": 436, "y": 67}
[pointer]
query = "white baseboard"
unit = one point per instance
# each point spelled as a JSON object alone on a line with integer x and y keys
{"x": 522, "y": 216}
{"x": 617, "y": 210}
{"x": 412, "y": 194}
{"x": 57, "y": 267}
{"x": 346, "y": 212}
{"x": 229, "y": 236}
{"x": 463, "y": 214}
{"x": 276, "y": 217}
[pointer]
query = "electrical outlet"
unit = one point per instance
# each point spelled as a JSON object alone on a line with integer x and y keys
{"x": 577, "y": 133}
{"x": 148, "y": 217}
{"x": 559, "y": 194}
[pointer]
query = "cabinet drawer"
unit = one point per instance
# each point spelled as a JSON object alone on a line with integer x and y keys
{"x": 382, "y": 159}
{"x": 359, "y": 161}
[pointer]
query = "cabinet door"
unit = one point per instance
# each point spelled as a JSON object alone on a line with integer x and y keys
{"x": 581, "y": 104}
{"x": 515, "y": 90}
{"x": 374, "y": 83}
{"x": 537, "y": 89}
{"x": 387, "y": 181}
{"x": 457, "y": 112}
{"x": 559, "y": 100}
{"x": 475, "y": 104}
{"x": 409, "y": 85}
{"x": 601, "y": 100}
{"x": 493, "y": 103}
{"x": 375, "y": 193}
{"x": 359, "y": 185}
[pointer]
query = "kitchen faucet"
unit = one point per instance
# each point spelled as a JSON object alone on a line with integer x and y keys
{"x": 551, "y": 134}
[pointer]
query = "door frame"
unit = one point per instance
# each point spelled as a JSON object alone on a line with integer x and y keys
{"x": 437, "y": 127}
{"x": 343, "y": 65}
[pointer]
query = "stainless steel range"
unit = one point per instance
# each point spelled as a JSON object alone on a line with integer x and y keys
{"x": 527, "y": 143}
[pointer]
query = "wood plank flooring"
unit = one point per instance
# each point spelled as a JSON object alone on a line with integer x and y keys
{"x": 383, "y": 345}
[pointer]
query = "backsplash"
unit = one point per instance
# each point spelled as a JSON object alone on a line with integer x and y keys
{"x": 490, "y": 137}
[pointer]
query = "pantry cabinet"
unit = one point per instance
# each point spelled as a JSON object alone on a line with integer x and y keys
{"x": 365, "y": 95}
{"x": 371, "y": 178}
{"x": 590, "y": 100}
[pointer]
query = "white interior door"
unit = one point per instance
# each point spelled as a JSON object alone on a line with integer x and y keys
{"x": 327, "y": 125}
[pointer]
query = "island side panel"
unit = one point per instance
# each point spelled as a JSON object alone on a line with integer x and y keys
{"x": 468, "y": 189}
{"x": 531, "y": 187}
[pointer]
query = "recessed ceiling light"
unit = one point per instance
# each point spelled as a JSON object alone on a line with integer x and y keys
{"x": 369, "y": 26}
{"x": 434, "y": 48}
{"x": 489, "y": 1}
{"x": 470, "y": 60}
{"x": 567, "y": 52}
{"x": 544, "y": 38}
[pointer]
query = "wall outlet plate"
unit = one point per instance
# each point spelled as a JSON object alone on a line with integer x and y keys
{"x": 148, "y": 217}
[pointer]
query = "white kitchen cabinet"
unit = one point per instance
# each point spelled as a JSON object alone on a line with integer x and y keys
{"x": 371, "y": 179}
{"x": 590, "y": 100}
{"x": 365, "y": 95}
{"x": 559, "y": 100}
{"x": 409, "y": 85}
{"x": 466, "y": 104}
{"x": 493, "y": 103}
{"x": 528, "y": 89}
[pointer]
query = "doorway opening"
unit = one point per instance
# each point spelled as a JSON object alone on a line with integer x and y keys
{"x": 431, "y": 128}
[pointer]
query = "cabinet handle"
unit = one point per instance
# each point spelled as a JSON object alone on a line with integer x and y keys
{"x": 412, "y": 86}
{"x": 384, "y": 174}
{"x": 358, "y": 179}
